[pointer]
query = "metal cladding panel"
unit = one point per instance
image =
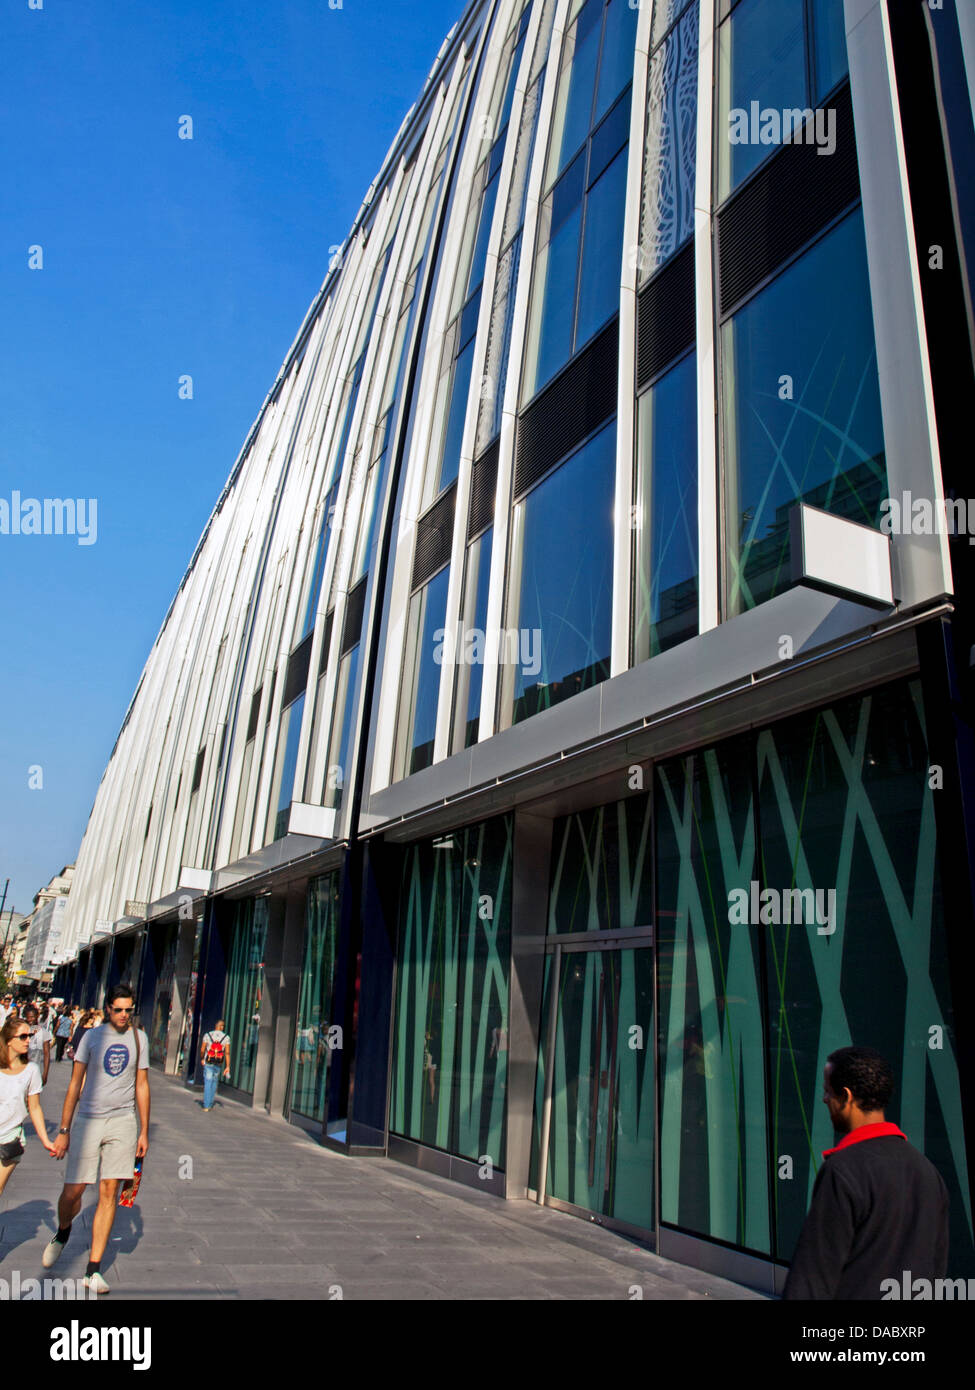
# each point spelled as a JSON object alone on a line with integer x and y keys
{"x": 665, "y": 316}
{"x": 484, "y": 481}
{"x": 434, "y": 534}
{"x": 568, "y": 410}
{"x": 352, "y": 627}
{"x": 789, "y": 201}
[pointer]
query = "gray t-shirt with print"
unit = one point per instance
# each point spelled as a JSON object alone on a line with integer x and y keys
{"x": 110, "y": 1079}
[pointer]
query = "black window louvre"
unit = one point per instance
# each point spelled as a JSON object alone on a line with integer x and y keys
{"x": 297, "y": 677}
{"x": 198, "y": 770}
{"x": 569, "y": 410}
{"x": 354, "y": 608}
{"x": 665, "y": 316}
{"x": 787, "y": 204}
{"x": 270, "y": 698}
{"x": 326, "y": 641}
{"x": 434, "y": 536}
{"x": 255, "y": 711}
{"x": 484, "y": 481}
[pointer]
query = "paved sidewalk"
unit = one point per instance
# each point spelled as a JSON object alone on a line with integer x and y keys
{"x": 268, "y": 1213}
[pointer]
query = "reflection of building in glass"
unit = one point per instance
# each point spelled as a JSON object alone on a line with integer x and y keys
{"x": 588, "y": 370}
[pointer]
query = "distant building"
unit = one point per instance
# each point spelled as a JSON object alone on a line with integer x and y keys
{"x": 44, "y": 939}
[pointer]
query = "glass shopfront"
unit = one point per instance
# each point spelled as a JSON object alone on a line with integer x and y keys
{"x": 245, "y": 989}
{"x": 450, "y": 1028}
{"x": 315, "y": 1042}
{"x": 775, "y": 897}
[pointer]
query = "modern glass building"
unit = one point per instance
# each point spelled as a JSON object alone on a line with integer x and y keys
{"x": 561, "y": 738}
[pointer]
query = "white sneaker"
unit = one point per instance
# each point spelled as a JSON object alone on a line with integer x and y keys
{"x": 96, "y": 1282}
{"x": 52, "y": 1253}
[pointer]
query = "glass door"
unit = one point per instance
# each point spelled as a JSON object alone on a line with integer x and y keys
{"x": 594, "y": 1098}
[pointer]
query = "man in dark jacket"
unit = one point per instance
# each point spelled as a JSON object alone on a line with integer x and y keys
{"x": 878, "y": 1206}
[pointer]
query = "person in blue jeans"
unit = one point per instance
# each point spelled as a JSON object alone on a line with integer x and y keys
{"x": 215, "y": 1056}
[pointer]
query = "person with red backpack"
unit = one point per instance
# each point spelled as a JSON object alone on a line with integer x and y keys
{"x": 215, "y": 1055}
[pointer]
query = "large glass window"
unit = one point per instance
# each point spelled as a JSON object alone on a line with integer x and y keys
{"x": 799, "y": 910}
{"x": 776, "y": 60}
{"x": 245, "y": 989}
{"x": 847, "y": 817}
{"x": 665, "y": 579}
{"x": 578, "y": 260}
{"x": 576, "y": 286}
{"x": 561, "y": 582}
{"x": 314, "y": 1044}
{"x": 283, "y": 781}
{"x": 600, "y": 1151}
{"x": 450, "y": 1031}
{"x": 714, "y": 1169}
{"x": 420, "y": 688}
{"x": 469, "y": 654}
{"x": 801, "y": 410}
{"x": 338, "y": 772}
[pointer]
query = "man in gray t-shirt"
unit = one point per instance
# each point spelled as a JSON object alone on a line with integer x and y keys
{"x": 112, "y": 1126}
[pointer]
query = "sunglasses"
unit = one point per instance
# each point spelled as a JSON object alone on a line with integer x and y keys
{"x": 22, "y": 1037}
{"x": 113, "y": 1010}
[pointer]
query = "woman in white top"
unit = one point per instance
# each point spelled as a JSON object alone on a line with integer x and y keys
{"x": 20, "y": 1086}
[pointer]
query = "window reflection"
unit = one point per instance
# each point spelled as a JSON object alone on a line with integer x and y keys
{"x": 561, "y": 582}
{"x": 801, "y": 410}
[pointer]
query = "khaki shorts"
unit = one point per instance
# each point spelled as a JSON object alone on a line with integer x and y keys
{"x": 110, "y": 1139}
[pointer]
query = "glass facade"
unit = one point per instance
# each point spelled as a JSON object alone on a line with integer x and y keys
{"x": 799, "y": 910}
{"x": 450, "y": 1027}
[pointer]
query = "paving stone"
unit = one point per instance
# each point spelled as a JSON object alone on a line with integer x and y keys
{"x": 270, "y": 1214}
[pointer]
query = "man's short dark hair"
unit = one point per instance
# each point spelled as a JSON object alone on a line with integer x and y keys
{"x": 864, "y": 1073}
{"x": 122, "y": 991}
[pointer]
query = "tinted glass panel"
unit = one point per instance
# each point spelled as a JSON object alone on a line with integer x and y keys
{"x": 801, "y": 409}
{"x": 761, "y": 59}
{"x": 599, "y": 287}
{"x": 315, "y": 1047}
{"x": 666, "y": 596}
{"x": 244, "y": 989}
{"x": 564, "y": 547}
{"x": 450, "y": 1031}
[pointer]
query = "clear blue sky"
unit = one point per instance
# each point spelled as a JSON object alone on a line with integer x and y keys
{"x": 161, "y": 257}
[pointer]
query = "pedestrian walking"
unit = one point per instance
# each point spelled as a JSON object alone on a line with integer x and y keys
{"x": 112, "y": 1128}
{"x": 62, "y": 1035}
{"x": 20, "y": 1086}
{"x": 39, "y": 1051}
{"x": 214, "y": 1054}
{"x": 86, "y": 1022}
{"x": 879, "y": 1207}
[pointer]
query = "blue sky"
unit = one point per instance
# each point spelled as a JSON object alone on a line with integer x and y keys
{"x": 161, "y": 257}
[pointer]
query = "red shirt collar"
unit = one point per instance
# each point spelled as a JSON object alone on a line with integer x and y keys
{"x": 883, "y": 1130}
